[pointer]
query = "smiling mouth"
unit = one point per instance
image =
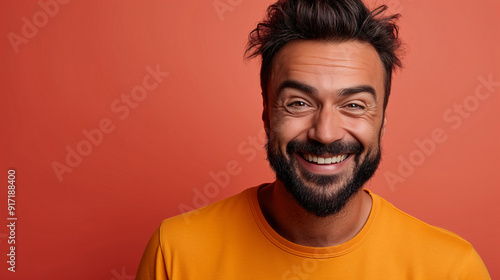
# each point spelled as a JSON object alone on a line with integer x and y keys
{"x": 324, "y": 160}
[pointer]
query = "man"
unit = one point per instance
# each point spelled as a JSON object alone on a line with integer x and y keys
{"x": 325, "y": 77}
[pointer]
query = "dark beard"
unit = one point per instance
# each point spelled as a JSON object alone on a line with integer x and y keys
{"x": 317, "y": 200}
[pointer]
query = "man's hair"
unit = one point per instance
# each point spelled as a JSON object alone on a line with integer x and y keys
{"x": 329, "y": 21}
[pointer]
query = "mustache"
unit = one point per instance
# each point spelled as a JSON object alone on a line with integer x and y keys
{"x": 318, "y": 149}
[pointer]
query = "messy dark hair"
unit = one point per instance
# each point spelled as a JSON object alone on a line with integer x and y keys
{"x": 325, "y": 20}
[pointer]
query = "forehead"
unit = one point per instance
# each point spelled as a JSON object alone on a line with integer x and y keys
{"x": 328, "y": 65}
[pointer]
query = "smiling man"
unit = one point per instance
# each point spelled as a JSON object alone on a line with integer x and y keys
{"x": 325, "y": 77}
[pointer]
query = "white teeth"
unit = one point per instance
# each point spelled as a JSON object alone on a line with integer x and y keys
{"x": 322, "y": 160}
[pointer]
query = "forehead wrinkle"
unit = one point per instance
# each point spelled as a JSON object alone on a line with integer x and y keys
{"x": 326, "y": 58}
{"x": 335, "y": 55}
{"x": 343, "y": 58}
{"x": 331, "y": 62}
{"x": 295, "y": 69}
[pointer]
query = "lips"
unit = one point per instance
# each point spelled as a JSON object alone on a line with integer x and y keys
{"x": 324, "y": 160}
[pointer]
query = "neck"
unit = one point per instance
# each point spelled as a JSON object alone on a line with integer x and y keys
{"x": 295, "y": 224}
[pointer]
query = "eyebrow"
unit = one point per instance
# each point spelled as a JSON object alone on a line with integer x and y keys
{"x": 311, "y": 90}
{"x": 358, "y": 89}
{"x": 297, "y": 85}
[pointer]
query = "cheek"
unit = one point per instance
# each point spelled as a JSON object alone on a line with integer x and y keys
{"x": 285, "y": 129}
{"x": 366, "y": 132}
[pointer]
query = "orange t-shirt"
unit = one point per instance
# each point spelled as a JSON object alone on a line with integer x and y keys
{"x": 231, "y": 239}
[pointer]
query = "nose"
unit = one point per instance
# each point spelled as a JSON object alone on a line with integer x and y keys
{"x": 328, "y": 126}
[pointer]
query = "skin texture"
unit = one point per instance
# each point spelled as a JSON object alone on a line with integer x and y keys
{"x": 320, "y": 91}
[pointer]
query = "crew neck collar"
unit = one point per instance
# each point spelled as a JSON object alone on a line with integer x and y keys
{"x": 307, "y": 251}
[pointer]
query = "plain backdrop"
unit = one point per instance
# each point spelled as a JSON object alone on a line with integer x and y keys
{"x": 100, "y": 160}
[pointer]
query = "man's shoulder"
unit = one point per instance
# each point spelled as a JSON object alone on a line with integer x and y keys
{"x": 410, "y": 230}
{"x": 211, "y": 220}
{"x": 407, "y": 240}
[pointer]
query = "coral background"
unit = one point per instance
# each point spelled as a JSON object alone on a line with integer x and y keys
{"x": 196, "y": 136}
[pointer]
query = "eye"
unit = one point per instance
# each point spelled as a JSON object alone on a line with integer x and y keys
{"x": 297, "y": 104}
{"x": 354, "y": 106}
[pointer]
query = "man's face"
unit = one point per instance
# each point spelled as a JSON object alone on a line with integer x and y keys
{"x": 325, "y": 119}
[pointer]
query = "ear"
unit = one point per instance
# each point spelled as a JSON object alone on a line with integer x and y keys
{"x": 383, "y": 127}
